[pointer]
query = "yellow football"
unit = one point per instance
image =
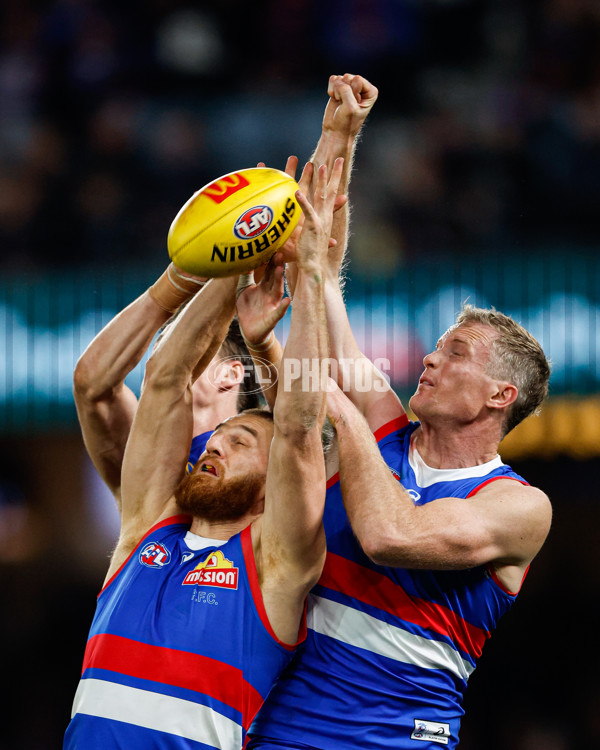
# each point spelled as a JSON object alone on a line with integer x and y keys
{"x": 234, "y": 224}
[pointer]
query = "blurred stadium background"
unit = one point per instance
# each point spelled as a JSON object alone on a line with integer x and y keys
{"x": 478, "y": 178}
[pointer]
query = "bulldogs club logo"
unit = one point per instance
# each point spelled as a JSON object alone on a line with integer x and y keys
{"x": 155, "y": 555}
{"x": 216, "y": 570}
{"x": 253, "y": 222}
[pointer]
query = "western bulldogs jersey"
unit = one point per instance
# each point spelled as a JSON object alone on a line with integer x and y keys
{"x": 389, "y": 651}
{"x": 180, "y": 653}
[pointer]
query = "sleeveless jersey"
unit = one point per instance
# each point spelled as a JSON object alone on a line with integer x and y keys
{"x": 389, "y": 650}
{"x": 180, "y": 653}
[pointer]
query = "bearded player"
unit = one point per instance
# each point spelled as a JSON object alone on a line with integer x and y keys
{"x": 204, "y": 597}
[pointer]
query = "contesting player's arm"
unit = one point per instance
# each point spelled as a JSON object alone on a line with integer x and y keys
{"x": 351, "y": 98}
{"x": 289, "y": 540}
{"x": 260, "y": 306}
{"x": 105, "y": 405}
{"x": 505, "y": 523}
{"x": 158, "y": 446}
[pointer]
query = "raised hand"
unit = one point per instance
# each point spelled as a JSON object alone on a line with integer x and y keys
{"x": 313, "y": 243}
{"x": 261, "y": 306}
{"x": 351, "y": 99}
{"x": 286, "y": 255}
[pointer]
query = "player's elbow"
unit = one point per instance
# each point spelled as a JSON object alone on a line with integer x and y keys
{"x": 165, "y": 376}
{"x": 386, "y": 544}
{"x": 298, "y": 424}
{"x": 88, "y": 383}
{"x": 80, "y": 378}
{"x": 382, "y": 547}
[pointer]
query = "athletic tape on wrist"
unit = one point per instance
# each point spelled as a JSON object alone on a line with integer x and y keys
{"x": 263, "y": 345}
{"x": 172, "y": 289}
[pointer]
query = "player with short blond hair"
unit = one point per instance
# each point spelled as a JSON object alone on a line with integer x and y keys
{"x": 429, "y": 533}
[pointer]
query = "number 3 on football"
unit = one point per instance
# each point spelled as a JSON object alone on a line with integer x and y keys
{"x": 235, "y": 223}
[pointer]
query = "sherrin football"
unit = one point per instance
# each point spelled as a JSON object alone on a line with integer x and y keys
{"x": 234, "y": 224}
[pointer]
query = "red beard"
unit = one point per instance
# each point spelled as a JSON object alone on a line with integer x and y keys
{"x": 216, "y": 499}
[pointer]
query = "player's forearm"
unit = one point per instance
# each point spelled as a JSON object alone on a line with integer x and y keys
{"x": 453, "y": 533}
{"x": 160, "y": 438}
{"x": 391, "y": 529}
{"x": 362, "y": 382}
{"x": 266, "y": 357}
{"x": 298, "y": 475}
{"x": 331, "y": 146}
{"x": 378, "y": 507}
{"x": 117, "y": 349}
{"x": 302, "y": 382}
{"x": 342, "y": 344}
{"x": 193, "y": 340}
{"x": 352, "y": 367}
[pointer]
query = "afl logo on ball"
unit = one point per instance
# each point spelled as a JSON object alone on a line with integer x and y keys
{"x": 155, "y": 555}
{"x": 253, "y": 222}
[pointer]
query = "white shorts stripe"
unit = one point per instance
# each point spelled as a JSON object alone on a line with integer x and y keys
{"x": 109, "y": 700}
{"x": 363, "y": 631}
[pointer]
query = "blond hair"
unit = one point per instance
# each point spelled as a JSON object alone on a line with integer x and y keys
{"x": 516, "y": 357}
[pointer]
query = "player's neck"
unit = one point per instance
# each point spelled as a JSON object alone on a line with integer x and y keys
{"x": 220, "y": 529}
{"x": 449, "y": 447}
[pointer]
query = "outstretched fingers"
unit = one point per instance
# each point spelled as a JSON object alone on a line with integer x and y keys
{"x": 273, "y": 277}
{"x": 325, "y": 198}
{"x": 306, "y": 177}
{"x": 315, "y": 237}
{"x": 326, "y": 190}
{"x": 291, "y": 166}
{"x": 334, "y": 180}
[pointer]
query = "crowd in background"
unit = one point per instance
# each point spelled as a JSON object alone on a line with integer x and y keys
{"x": 486, "y": 135}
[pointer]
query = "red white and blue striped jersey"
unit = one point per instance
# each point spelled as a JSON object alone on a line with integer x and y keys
{"x": 180, "y": 653}
{"x": 389, "y": 650}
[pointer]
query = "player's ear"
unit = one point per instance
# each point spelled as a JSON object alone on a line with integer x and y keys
{"x": 504, "y": 395}
{"x": 230, "y": 373}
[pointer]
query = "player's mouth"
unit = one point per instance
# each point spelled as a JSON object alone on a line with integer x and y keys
{"x": 425, "y": 381}
{"x": 210, "y": 469}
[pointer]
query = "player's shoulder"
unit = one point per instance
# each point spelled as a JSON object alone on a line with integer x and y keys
{"x": 132, "y": 538}
{"x": 513, "y": 486}
{"x": 521, "y": 498}
{"x": 394, "y": 436}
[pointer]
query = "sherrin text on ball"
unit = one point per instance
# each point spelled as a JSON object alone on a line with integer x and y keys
{"x": 234, "y": 224}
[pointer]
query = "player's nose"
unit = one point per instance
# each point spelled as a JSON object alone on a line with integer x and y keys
{"x": 214, "y": 445}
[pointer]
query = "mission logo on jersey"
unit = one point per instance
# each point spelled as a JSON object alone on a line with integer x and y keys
{"x": 216, "y": 570}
